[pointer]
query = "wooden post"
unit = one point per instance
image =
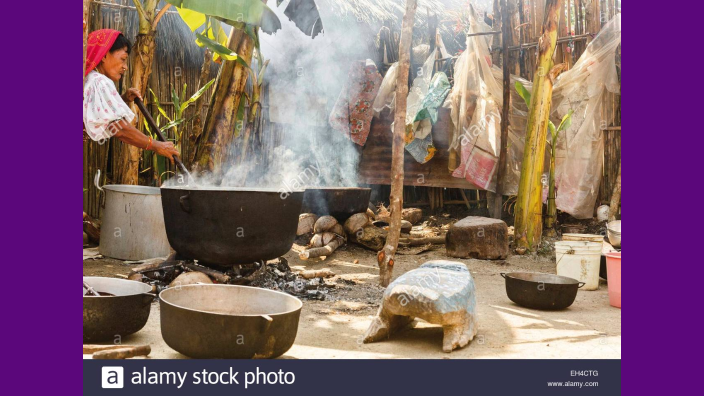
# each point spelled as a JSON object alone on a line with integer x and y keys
{"x": 385, "y": 257}
{"x": 616, "y": 196}
{"x": 86, "y": 27}
{"x": 529, "y": 203}
{"x": 506, "y": 42}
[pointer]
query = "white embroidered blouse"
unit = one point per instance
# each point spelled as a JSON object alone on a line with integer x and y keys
{"x": 101, "y": 106}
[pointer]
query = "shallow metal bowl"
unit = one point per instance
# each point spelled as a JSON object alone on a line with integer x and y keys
{"x": 111, "y": 317}
{"x": 541, "y": 291}
{"x": 228, "y": 322}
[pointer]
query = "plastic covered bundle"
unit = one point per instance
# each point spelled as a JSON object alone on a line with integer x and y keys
{"x": 475, "y": 103}
{"x": 580, "y": 149}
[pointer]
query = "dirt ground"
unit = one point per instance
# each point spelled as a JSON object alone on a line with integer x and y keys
{"x": 589, "y": 329}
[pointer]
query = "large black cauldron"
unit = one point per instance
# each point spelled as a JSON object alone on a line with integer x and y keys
{"x": 339, "y": 202}
{"x": 226, "y": 226}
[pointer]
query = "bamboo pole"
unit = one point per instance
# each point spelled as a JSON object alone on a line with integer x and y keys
{"x": 506, "y": 41}
{"x": 529, "y": 203}
{"x": 616, "y": 196}
{"x": 385, "y": 257}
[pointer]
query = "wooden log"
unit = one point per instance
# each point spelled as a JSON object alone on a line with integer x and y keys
{"x": 438, "y": 240}
{"x": 124, "y": 353}
{"x": 310, "y": 274}
{"x": 321, "y": 251}
{"x": 385, "y": 257}
{"x": 216, "y": 275}
{"x": 89, "y": 349}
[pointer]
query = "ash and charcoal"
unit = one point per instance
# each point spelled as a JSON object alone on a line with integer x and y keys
{"x": 274, "y": 275}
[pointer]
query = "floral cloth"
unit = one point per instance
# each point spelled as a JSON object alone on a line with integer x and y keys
{"x": 101, "y": 106}
{"x": 352, "y": 114}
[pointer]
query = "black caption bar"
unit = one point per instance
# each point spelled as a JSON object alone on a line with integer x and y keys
{"x": 343, "y": 377}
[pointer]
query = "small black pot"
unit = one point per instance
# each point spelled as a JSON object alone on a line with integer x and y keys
{"x": 541, "y": 291}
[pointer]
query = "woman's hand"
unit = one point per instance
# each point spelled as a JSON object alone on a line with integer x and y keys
{"x": 165, "y": 149}
{"x": 131, "y": 93}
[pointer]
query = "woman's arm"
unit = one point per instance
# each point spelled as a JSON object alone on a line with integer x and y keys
{"x": 125, "y": 132}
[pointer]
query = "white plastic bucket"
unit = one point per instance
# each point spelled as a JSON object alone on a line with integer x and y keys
{"x": 579, "y": 260}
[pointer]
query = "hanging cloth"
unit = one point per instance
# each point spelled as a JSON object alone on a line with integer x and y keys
{"x": 352, "y": 113}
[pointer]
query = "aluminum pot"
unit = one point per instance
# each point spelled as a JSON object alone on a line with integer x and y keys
{"x": 339, "y": 202}
{"x": 133, "y": 223}
{"x": 226, "y": 226}
{"x": 228, "y": 322}
{"x": 106, "y": 318}
{"x": 541, "y": 291}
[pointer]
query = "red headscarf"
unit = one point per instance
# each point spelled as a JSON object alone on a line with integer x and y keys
{"x": 99, "y": 43}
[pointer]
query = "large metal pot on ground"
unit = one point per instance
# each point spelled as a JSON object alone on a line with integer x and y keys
{"x": 339, "y": 202}
{"x": 133, "y": 223}
{"x": 541, "y": 291}
{"x": 228, "y": 322}
{"x": 124, "y": 310}
{"x": 226, "y": 226}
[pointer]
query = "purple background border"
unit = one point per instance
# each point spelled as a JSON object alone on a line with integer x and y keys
{"x": 44, "y": 123}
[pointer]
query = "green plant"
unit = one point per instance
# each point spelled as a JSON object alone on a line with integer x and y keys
{"x": 554, "y": 132}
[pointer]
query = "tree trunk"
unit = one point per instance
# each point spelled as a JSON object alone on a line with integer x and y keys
{"x": 529, "y": 203}
{"x": 221, "y": 124}
{"x": 385, "y": 257}
{"x": 198, "y": 118}
{"x": 142, "y": 59}
{"x": 616, "y": 196}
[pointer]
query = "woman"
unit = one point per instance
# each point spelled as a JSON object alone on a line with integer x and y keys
{"x": 105, "y": 113}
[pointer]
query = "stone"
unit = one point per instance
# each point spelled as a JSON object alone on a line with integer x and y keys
{"x": 478, "y": 238}
{"x": 440, "y": 292}
{"x": 412, "y": 215}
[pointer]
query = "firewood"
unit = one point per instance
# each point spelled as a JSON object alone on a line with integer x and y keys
{"x": 438, "y": 240}
{"x": 306, "y": 221}
{"x": 338, "y": 230}
{"x": 370, "y": 237}
{"x": 324, "y": 223}
{"x": 356, "y": 222}
{"x": 89, "y": 349}
{"x": 317, "y": 240}
{"x": 216, "y": 275}
{"x": 322, "y": 251}
{"x": 124, "y": 353}
{"x": 310, "y": 274}
{"x": 329, "y": 237}
{"x": 191, "y": 278}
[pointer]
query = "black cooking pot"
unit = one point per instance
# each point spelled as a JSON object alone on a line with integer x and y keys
{"x": 228, "y": 322}
{"x": 339, "y": 202}
{"x": 226, "y": 226}
{"x": 124, "y": 312}
{"x": 541, "y": 291}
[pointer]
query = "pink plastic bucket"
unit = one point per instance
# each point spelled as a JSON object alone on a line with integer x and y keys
{"x": 613, "y": 271}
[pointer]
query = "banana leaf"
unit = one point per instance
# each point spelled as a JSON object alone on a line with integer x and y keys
{"x": 196, "y": 95}
{"x": 252, "y": 12}
{"x": 216, "y": 47}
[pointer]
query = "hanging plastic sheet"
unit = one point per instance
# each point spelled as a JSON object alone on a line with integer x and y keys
{"x": 580, "y": 149}
{"x": 475, "y": 103}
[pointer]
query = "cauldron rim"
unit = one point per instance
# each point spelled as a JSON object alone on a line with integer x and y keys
{"x": 228, "y": 189}
{"x": 299, "y": 303}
